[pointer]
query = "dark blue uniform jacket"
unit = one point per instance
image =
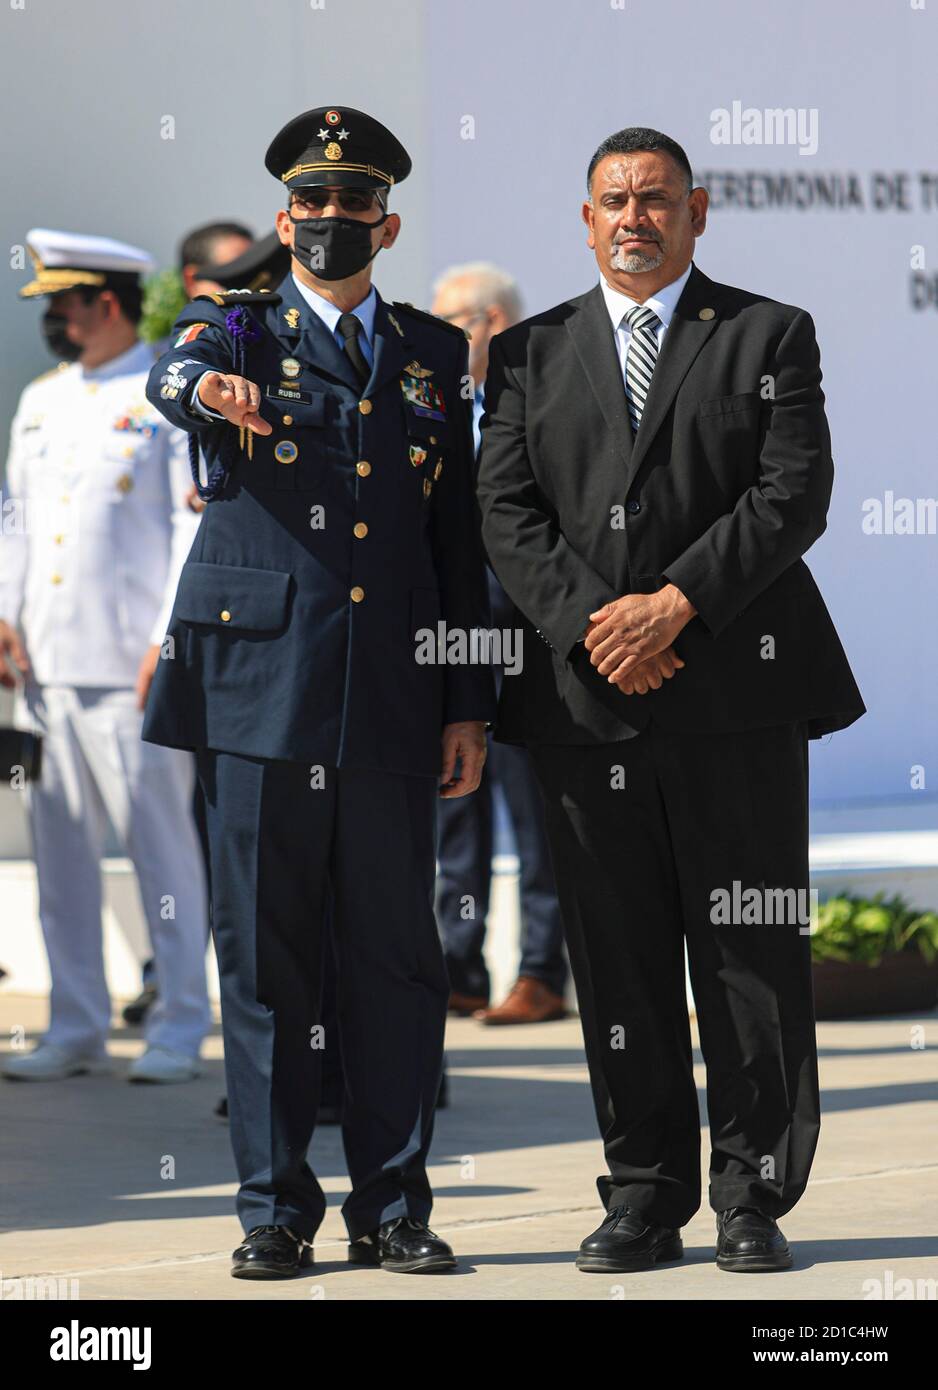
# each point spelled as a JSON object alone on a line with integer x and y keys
{"x": 327, "y": 544}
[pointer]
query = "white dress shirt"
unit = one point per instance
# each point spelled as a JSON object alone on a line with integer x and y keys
{"x": 95, "y": 525}
{"x": 330, "y": 315}
{"x": 663, "y": 304}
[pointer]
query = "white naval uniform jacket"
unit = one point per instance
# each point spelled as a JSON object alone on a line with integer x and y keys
{"x": 94, "y": 525}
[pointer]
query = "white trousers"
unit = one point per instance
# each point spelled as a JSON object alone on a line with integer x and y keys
{"x": 94, "y": 766}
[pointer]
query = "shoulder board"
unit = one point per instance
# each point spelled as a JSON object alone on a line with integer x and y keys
{"x": 53, "y": 371}
{"x": 228, "y": 298}
{"x": 431, "y": 318}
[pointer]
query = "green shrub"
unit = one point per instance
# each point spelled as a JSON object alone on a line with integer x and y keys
{"x": 164, "y": 299}
{"x": 854, "y": 928}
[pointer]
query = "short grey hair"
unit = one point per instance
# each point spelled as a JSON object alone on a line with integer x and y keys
{"x": 490, "y": 285}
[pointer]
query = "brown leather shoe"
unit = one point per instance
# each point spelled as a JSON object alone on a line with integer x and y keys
{"x": 530, "y": 1001}
{"x": 466, "y": 1004}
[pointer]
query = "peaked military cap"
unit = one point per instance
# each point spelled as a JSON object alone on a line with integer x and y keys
{"x": 337, "y": 145}
{"x": 65, "y": 260}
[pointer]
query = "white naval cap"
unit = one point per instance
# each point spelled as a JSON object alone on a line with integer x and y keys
{"x": 64, "y": 260}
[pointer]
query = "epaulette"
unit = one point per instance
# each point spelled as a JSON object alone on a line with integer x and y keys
{"x": 226, "y": 299}
{"x": 432, "y": 318}
{"x": 53, "y": 371}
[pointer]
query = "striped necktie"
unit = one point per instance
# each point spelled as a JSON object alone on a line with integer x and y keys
{"x": 640, "y": 360}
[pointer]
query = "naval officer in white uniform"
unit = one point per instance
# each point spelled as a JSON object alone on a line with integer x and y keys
{"x": 95, "y": 531}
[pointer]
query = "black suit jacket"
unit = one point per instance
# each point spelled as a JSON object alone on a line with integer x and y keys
{"x": 721, "y": 492}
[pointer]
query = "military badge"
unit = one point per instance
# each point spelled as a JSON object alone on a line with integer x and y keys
{"x": 286, "y": 451}
{"x": 333, "y": 150}
{"x": 415, "y": 369}
{"x": 292, "y": 317}
{"x": 424, "y": 399}
{"x": 187, "y": 334}
{"x": 418, "y": 455}
{"x": 393, "y": 321}
{"x": 290, "y": 367}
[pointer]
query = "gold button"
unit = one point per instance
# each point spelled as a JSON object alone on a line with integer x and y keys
{"x": 288, "y": 419}
{"x": 225, "y": 615}
{"x": 433, "y": 439}
{"x": 365, "y": 407}
{"x": 361, "y": 530}
{"x": 56, "y": 579}
{"x": 358, "y": 594}
{"x": 363, "y": 468}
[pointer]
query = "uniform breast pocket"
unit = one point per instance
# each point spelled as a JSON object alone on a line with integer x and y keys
{"x": 428, "y": 447}
{"x": 133, "y": 463}
{"x": 295, "y": 454}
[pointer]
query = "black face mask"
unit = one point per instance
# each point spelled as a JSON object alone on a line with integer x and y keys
{"x": 334, "y": 247}
{"x": 56, "y": 338}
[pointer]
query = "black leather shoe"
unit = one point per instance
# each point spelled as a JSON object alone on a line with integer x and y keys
{"x": 271, "y": 1252}
{"x": 136, "y": 1011}
{"x": 404, "y": 1246}
{"x": 625, "y": 1242}
{"x": 748, "y": 1242}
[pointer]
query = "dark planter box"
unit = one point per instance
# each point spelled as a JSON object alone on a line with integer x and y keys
{"x": 903, "y": 983}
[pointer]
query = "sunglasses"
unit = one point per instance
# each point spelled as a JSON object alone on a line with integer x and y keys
{"x": 349, "y": 199}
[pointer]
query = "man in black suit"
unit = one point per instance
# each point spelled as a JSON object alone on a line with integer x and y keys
{"x": 655, "y": 462}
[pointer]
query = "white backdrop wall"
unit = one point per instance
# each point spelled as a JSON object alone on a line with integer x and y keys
{"x": 501, "y": 103}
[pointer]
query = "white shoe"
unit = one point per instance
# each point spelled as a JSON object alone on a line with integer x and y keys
{"x": 50, "y": 1062}
{"x": 162, "y": 1064}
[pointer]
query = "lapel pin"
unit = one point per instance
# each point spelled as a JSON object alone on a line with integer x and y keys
{"x": 292, "y": 317}
{"x": 707, "y": 314}
{"x": 397, "y": 326}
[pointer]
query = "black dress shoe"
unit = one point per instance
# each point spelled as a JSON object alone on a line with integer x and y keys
{"x": 136, "y": 1011}
{"x": 625, "y": 1242}
{"x": 271, "y": 1252}
{"x": 404, "y": 1246}
{"x": 748, "y": 1242}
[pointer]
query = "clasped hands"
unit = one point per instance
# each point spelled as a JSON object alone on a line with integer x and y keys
{"x": 629, "y": 640}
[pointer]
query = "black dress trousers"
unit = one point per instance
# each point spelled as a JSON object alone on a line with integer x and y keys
{"x": 655, "y": 839}
{"x": 289, "y": 844}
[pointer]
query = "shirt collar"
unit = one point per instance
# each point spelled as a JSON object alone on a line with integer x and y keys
{"x": 663, "y": 303}
{"x": 330, "y": 314}
{"x": 137, "y": 358}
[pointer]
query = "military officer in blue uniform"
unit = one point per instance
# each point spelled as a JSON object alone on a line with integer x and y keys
{"x": 335, "y": 443}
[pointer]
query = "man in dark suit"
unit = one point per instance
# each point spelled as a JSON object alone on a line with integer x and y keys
{"x": 341, "y": 522}
{"x": 655, "y": 462}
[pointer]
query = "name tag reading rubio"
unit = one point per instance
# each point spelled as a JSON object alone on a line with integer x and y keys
{"x": 423, "y": 397}
{"x": 286, "y": 391}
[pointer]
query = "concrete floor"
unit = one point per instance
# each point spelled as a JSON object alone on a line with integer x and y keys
{"x": 515, "y": 1160}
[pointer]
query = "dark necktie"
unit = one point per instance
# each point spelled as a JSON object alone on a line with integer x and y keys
{"x": 350, "y": 326}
